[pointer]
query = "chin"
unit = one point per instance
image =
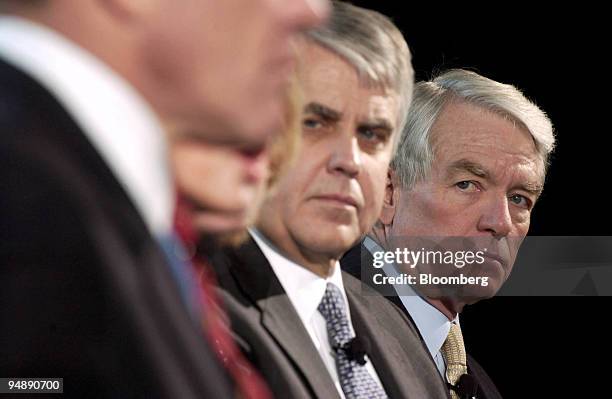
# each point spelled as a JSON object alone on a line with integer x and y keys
{"x": 219, "y": 225}
{"x": 335, "y": 240}
{"x": 233, "y": 239}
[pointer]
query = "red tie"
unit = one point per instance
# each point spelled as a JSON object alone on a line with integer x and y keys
{"x": 249, "y": 384}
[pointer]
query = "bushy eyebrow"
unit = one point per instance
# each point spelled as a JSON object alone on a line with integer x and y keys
{"x": 331, "y": 115}
{"x": 534, "y": 189}
{"x": 322, "y": 111}
{"x": 465, "y": 165}
{"x": 379, "y": 123}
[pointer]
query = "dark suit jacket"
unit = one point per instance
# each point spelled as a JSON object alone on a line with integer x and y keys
{"x": 352, "y": 263}
{"x": 274, "y": 339}
{"x": 85, "y": 290}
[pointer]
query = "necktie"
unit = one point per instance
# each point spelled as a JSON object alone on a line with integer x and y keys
{"x": 355, "y": 380}
{"x": 249, "y": 384}
{"x": 453, "y": 351}
{"x": 183, "y": 273}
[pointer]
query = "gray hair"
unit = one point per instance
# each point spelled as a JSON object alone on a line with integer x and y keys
{"x": 415, "y": 156}
{"x": 374, "y": 46}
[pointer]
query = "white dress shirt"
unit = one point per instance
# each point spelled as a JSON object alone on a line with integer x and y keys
{"x": 305, "y": 291}
{"x": 115, "y": 118}
{"x": 432, "y": 324}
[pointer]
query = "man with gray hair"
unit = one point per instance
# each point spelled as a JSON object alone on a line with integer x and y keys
{"x": 468, "y": 172}
{"x": 306, "y": 325}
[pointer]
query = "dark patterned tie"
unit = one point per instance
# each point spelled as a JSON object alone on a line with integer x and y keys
{"x": 355, "y": 380}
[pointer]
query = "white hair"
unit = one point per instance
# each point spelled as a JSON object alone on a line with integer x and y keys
{"x": 415, "y": 156}
{"x": 374, "y": 46}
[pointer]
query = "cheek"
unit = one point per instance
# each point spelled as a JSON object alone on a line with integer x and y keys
{"x": 373, "y": 188}
{"x": 287, "y": 194}
{"x": 307, "y": 174}
{"x": 521, "y": 219}
{"x": 230, "y": 176}
{"x": 521, "y": 226}
{"x": 190, "y": 167}
{"x": 428, "y": 213}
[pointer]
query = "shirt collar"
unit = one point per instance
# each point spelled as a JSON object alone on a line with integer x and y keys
{"x": 304, "y": 288}
{"x": 432, "y": 324}
{"x": 114, "y": 117}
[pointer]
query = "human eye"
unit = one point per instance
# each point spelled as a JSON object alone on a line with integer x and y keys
{"x": 373, "y": 137}
{"x": 467, "y": 186}
{"x": 311, "y": 122}
{"x": 520, "y": 201}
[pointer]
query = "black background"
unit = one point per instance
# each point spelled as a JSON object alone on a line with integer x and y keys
{"x": 536, "y": 347}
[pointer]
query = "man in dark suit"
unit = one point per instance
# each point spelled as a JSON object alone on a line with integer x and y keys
{"x": 466, "y": 177}
{"x": 88, "y": 293}
{"x": 357, "y": 262}
{"x": 308, "y": 327}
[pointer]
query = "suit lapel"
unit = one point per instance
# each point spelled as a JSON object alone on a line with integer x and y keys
{"x": 144, "y": 317}
{"x": 253, "y": 273}
{"x": 387, "y": 353}
{"x": 384, "y": 347}
{"x": 352, "y": 264}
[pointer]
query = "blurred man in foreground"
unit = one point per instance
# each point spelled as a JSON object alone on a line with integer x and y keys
{"x": 87, "y": 201}
{"x": 466, "y": 177}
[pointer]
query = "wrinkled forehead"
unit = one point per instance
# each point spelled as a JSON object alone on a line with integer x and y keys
{"x": 328, "y": 78}
{"x": 485, "y": 143}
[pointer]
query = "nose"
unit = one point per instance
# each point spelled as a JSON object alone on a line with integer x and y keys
{"x": 495, "y": 217}
{"x": 301, "y": 15}
{"x": 345, "y": 157}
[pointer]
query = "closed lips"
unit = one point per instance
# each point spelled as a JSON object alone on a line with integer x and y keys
{"x": 344, "y": 199}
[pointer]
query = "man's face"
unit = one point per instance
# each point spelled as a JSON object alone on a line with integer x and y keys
{"x": 223, "y": 184}
{"x": 485, "y": 179}
{"x": 333, "y": 193}
{"x": 221, "y": 67}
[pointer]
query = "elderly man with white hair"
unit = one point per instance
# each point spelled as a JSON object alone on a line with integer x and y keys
{"x": 468, "y": 172}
